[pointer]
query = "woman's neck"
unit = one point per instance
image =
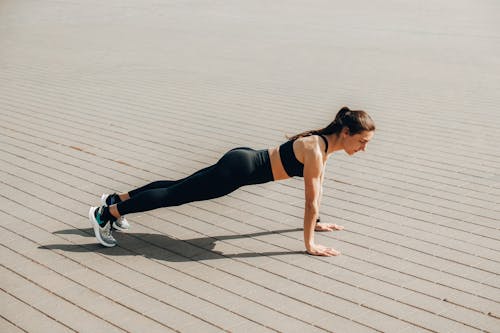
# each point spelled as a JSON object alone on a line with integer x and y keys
{"x": 335, "y": 143}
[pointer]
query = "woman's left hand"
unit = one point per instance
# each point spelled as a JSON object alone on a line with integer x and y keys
{"x": 327, "y": 227}
{"x": 320, "y": 250}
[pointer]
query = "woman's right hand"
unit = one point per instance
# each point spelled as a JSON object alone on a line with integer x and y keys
{"x": 320, "y": 250}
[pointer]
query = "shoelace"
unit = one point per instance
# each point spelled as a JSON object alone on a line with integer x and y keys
{"x": 107, "y": 230}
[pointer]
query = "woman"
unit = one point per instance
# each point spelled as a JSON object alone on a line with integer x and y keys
{"x": 303, "y": 155}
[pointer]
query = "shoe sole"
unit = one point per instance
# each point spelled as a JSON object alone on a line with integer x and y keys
{"x": 119, "y": 228}
{"x": 95, "y": 226}
{"x": 115, "y": 225}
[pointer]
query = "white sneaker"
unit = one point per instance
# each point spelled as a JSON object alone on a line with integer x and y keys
{"x": 121, "y": 223}
{"x": 102, "y": 233}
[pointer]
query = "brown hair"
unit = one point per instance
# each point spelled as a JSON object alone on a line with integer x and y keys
{"x": 356, "y": 121}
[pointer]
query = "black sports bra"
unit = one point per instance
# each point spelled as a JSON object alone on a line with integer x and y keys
{"x": 292, "y": 165}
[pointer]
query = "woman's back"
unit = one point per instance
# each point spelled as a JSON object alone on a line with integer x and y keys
{"x": 287, "y": 160}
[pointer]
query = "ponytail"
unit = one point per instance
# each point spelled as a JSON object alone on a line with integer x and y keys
{"x": 356, "y": 121}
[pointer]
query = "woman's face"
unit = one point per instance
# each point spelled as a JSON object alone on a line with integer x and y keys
{"x": 356, "y": 142}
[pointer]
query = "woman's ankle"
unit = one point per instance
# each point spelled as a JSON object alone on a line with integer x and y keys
{"x": 106, "y": 215}
{"x": 123, "y": 196}
{"x": 113, "y": 211}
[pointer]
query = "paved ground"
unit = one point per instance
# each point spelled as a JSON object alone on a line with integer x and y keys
{"x": 106, "y": 96}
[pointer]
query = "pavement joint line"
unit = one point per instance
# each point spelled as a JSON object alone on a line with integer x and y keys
{"x": 61, "y": 153}
{"x": 142, "y": 106}
{"x": 416, "y": 262}
{"x": 426, "y": 203}
{"x": 352, "y": 220}
{"x": 107, "y": 297}
{"x": 208, "y": 90}
{"x": 367, "y": 289}
{"x": 53, "y": 293}
{"x": 231, "y": 274}
{"x": 249, "y": 299}
{"x": 34, "y": 308}
{"x": 155, "y": 87}
{"x": 364, "y": 260}
{"x": 410, "y": 274}
{"x": 486, "y": 226}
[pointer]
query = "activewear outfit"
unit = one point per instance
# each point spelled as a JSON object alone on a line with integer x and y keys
{"x": 238, "y": 167}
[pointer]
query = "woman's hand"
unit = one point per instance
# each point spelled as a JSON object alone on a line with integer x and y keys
{"x": 327, "y": 227}
{"x": 320, "y": 250}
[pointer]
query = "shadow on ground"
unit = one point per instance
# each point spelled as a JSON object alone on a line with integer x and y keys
{"x": 164, "y": 247}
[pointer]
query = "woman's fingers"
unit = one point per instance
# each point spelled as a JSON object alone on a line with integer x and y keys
{"x": 328, "y": 227}
{"x": 328, "y": 251}
{"x": 320, "y": 250}
{"x": 337, "y": 227}
{"x": 333, "y": 252}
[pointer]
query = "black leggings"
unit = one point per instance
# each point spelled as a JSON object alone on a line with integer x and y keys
{"x": 238, "y": 167}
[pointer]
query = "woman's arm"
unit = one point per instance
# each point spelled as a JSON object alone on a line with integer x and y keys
{"x": 320, "y": 197}
{"x": 313, "y": 169}
{"x": 320, "y": 189}
{"x": 324, "y": 226}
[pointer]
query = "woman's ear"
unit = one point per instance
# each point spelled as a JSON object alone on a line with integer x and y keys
{"x": 345, "y": 132}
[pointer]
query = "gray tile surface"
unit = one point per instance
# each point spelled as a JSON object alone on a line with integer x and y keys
{"x": 99, "y": 97}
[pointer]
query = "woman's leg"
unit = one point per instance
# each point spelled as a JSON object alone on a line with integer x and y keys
{"x": 155, "y": 185}
{"x": 235, "y": 169}
{"x": 211, "y": 183}
{"x": 147, "y": 197}
{"x": 238, "y": 167}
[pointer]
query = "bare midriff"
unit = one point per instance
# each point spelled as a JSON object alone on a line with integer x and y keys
{"x": 279, "y": 172}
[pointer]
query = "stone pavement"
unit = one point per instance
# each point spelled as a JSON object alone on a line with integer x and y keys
{"x": 102, "y": 96}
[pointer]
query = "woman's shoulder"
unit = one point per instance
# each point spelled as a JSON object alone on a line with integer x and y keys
{"x": 309, "y": 148}
{"x": 311, "y": 143}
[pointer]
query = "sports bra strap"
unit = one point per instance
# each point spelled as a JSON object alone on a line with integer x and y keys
{"x": 326, "y": 142}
